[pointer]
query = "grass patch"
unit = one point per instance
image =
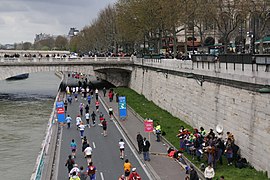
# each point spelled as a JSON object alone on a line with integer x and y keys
{"x": 171, "y": 125}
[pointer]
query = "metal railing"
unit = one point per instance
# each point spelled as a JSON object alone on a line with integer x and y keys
{"x": 63, "y": 59}
{"x": 37, "y": 173}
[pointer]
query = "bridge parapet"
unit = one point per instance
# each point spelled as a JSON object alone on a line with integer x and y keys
{"x": 250, "y": 73}
{"x": 63, "y": 59}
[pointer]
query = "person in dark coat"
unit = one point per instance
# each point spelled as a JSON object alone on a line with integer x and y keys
{"x": 146, "y": 147}
{"x": 140, "y": 142}
{"x": 193, "y": 173}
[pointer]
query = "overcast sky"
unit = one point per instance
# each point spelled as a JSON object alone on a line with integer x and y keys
{"x": 20, "y": 20}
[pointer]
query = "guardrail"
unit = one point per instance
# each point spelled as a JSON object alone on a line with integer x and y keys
{"x": 64, "y": 59}
{"x": 37, "y": 172}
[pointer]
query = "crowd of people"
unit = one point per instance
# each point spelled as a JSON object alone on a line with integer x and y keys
{"x": 81, "y": 123}
{"x": 208, "y": 148}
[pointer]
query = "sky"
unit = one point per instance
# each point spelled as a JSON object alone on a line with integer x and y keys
{"x": 21, "y": 20}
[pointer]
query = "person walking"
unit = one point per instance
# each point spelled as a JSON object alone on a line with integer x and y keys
{"x": 69, "y": 163}
{"x": 73, "y": 147}
{"x": 68, "y": 120}
{"x": 93, "y": 115}
{"x": 193, "y": 173}
{"x": 104, "y": 91}
{"x": 91, "y": 171}
{"x": 104, "y": 126}
{"x": 122, "y": 148}
{"x": 134, "y": 175}
{"x": 127, "y": 168}
{"x": 146, "y": 147}
{"x": 209, "y": 172}
{"x": 140, "y": 142}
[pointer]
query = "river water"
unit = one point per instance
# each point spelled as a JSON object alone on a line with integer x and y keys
{"x": 25, "y": 108}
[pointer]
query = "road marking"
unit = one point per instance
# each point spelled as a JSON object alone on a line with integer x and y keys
{"x": 94, "y": 145}
{"x": 101, "y": 175}
{"x": 128, "y": 143}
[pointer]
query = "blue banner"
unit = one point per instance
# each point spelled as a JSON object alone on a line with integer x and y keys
{"x": 60, "y": 104}
{"x": 61, "y": 118}
{"x": 122, "y": 104}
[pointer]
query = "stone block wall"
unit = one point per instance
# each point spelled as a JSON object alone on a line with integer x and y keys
{"x": 244, "y": 113}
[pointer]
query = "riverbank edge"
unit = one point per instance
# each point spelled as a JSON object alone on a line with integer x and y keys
{"x": 45, "y": 162}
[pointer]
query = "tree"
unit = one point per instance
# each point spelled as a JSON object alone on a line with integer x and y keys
{"x": 27, "y": 46}
{"x": 61, "y": 43}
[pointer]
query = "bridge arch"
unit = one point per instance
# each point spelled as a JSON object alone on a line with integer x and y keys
{"x": 117, "y": 74}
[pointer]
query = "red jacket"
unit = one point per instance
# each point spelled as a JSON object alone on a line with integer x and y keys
{"x": 134, "y": 176}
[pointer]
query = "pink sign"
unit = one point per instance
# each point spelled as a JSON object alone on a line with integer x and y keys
{"x": 148, "y": 125}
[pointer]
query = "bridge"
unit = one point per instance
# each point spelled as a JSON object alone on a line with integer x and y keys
{"x": 117, "y": 70}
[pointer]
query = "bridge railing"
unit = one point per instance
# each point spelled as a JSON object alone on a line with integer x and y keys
{"x": 63, "y": 59}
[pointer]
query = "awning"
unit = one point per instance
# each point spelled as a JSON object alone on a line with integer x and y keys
{"x": 266, "y": 40}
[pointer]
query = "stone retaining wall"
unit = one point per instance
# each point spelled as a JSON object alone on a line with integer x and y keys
{"x": 244, "y": 113}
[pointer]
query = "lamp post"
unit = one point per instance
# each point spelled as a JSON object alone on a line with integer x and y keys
{"x": 254, "y": 34}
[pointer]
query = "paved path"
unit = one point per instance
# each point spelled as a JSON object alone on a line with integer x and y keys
{"x": 105, "y": 149}
{"x": 163, "y": 167}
